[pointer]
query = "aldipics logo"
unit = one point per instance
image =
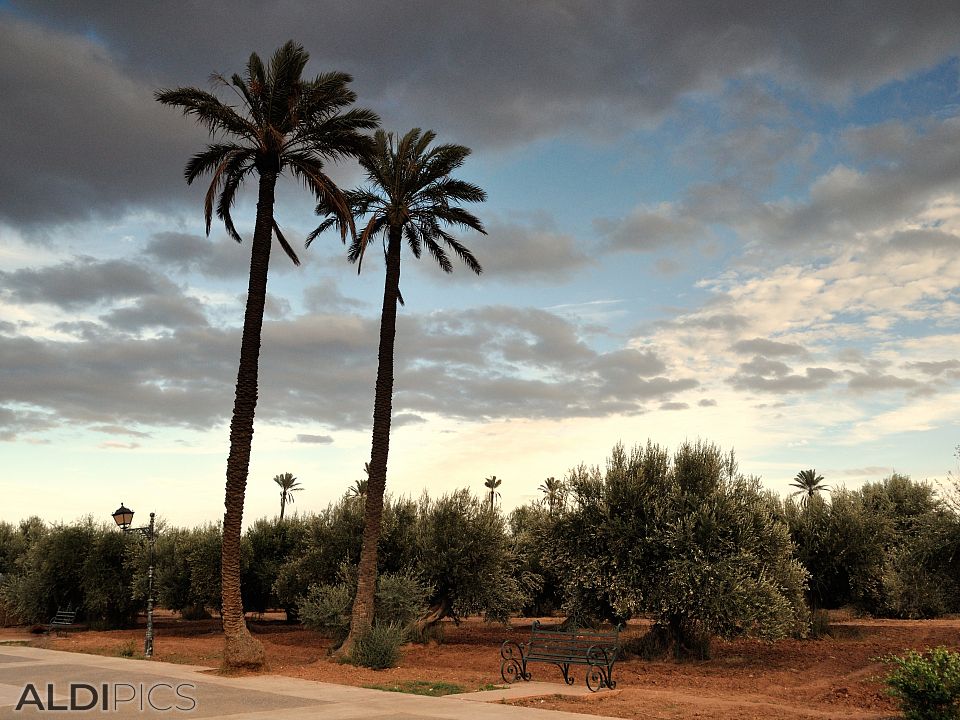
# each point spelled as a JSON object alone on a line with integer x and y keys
{"x": 158, "y": 697}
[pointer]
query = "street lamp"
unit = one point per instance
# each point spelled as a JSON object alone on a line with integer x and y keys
{"x": 124, "y": 517}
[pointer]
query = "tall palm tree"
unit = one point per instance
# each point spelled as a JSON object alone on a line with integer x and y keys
{"x": 554, "y": 493}
{"x": 281, "y": 123}
{"x": 808, "y": 484}
{"x": 410, "y": 195}
{"x": 491, "y": 484}
{"x": 288, "y": 486}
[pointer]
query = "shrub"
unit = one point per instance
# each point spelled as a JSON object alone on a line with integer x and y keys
{"x": 400, "y": 599}
{"x": 690, "y": 541}
{"x": 326, "y": 608}
{"x": 927, "y": 685}
{"x": 379, "y": 646}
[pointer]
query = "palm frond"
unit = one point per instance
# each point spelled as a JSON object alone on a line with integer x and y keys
{"x": 208, "y": 110}
{"x": 285, "y": 245}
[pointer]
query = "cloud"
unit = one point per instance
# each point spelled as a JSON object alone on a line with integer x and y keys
{"x": 881, "y": 382}
{"x": 119, "y": 151}
{"x": 325, "y": 297}
{"x": 768, "y": 348}
{"x": 314, "y": 439}
{"x": 942, "y": 368}
{"x": 493, "y": 362}
{"x": 707, "y": 403}
{"x": 651, "y": 228}
{"x": 82, "y": 282}
{"x": 532, "y": 249}
{"x": 762, "y": 375}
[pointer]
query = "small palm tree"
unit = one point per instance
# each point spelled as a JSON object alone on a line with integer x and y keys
{"x": 359, "y": 487}
{"x": 283, "y": 123}
{"x": 491, "y": 484}
{"x": 808, "y": 484}
{"x": 554, "y": 493}
{"x": 288, "y": 485}
{"x": 409, "y": 196}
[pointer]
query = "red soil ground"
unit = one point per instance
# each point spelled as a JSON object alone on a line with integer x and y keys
{"x": 833, "y": 677}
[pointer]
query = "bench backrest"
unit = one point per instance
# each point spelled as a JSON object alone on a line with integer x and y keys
{"x": 572, "y": 642}
{"x": 64, "y": 617}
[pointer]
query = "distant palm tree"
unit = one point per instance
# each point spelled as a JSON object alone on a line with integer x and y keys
{"x": 288, "y": 485}
{"x": 409, "y": 195}
{"x": 359, "y": 487}
{"x": 808, "y": 484}
{"x": 282, "y": 122}
{"x": 491, "y": 484}
{"x": 554, "y": 492}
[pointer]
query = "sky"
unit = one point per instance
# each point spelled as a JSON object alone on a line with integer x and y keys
{"x": 730, "y": 221}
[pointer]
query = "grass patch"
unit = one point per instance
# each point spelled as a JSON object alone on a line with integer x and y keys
{"x": 491, "y": 686}
{"x": 15, "y": 643}
{"x": 420, "y": 687}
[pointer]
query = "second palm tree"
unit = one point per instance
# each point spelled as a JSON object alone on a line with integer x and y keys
{"x": 409, "y": 194}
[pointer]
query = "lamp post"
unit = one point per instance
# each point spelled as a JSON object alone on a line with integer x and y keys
{"x": 124, "y": 517}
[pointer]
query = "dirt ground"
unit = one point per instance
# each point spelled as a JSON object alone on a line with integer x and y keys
{"x": 833, "y": 677}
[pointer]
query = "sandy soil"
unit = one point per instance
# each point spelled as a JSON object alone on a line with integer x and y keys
{"x": 834, "y": 677}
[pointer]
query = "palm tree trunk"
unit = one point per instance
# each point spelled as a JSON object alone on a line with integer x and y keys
{"x": 241, "y": 649}
{"x": 363, "y": 608}
{"x": 283, "y": 501}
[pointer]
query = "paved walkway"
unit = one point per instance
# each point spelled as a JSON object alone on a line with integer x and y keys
{"x": 121, "y": 688}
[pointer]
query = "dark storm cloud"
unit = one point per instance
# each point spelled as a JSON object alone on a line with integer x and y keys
{"x": 78, "y": 79}
{"x": 485, "y": 363}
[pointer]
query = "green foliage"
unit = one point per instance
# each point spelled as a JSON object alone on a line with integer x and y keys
{"x": 687, "y": 539}
{"x": 326, "y": 608}
{"x": 271, "y": 543}
{"x": 891, "y": 549}
{"x": 334, "y": 537}
{"x": 927, "y": 685}
{"x": 378, "y": 647}
{"x": 82, "y": 566}
{"x": 400, "y": 599}
{"x": 464, "y": 552}
{"x": 530, "y": 527}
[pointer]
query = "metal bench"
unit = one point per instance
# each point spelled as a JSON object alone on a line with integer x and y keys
{"x": 597, "y": 650}
{"x": 61, "y": 621}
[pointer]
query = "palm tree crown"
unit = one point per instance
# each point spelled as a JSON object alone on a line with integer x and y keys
{"x": 286, "y": 123}
{"x": 410, "y": 189}
{"x": 808, "y": 484}
{"x": 288, "y": 485}
{"x": 554, "y": 492}
{"x": 492, "y": 483}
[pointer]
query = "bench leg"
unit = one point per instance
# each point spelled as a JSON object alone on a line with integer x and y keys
{"x": 514, "y": 663}
{"x": 599, "y": 676}
{"x": 567, "y": 677}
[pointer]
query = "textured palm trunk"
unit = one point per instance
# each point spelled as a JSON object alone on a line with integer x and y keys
{"x": 241, "y": 649}
{"x": 283, "y": 502}
{"x": 362, "y": 616}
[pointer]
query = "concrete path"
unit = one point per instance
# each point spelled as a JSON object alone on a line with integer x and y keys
{"x": 121, "y": 688}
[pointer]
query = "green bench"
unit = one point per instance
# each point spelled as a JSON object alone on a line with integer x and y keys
{"x": 62, "y": 621}
{"x": 595, "y": 649}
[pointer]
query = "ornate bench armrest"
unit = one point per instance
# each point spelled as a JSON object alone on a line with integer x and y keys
{"x": 514, "y": 663}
